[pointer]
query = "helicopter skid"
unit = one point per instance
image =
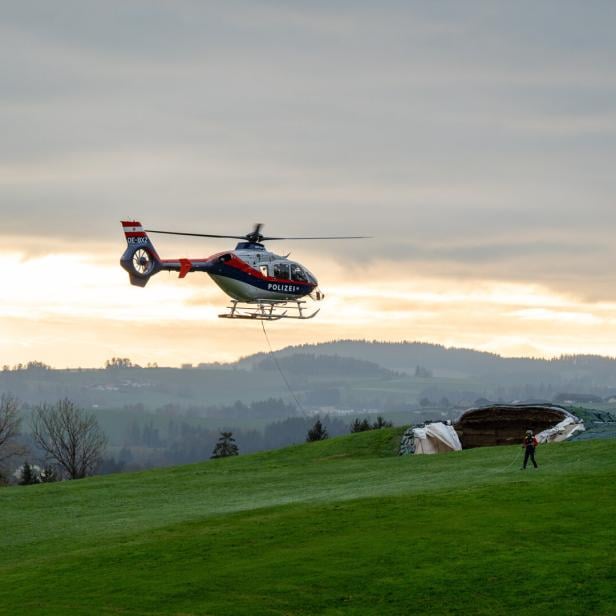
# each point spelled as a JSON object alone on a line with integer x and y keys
{"x": 268, "y": 311}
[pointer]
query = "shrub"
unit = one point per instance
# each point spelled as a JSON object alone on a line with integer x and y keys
{"x": 318, "y": 432}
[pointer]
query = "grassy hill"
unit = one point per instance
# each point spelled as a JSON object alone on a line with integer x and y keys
{"x": 338, "y": 527}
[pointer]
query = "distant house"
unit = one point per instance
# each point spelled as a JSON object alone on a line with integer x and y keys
{"x": 566, "y": 398}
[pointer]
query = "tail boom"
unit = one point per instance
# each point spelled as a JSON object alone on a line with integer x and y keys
{"x": 141, "y": 260}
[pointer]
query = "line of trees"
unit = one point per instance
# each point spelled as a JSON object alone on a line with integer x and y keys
{"x": 70, "y": 440}
{"x": 31, "y": 365}
{"x": 181, "y": 441}
{"x": 363, "y": 425}
{"x": 318, "y": 432}
{"x": 67, "y": 442}
{"x": 150, "y": 444}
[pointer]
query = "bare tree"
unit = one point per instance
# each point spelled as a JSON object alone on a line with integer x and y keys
{"x": 9, "y": 425}
{"x": 70, "y": 436}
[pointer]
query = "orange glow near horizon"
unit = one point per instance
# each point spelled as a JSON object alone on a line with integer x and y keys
{"x": 72, "y": 310}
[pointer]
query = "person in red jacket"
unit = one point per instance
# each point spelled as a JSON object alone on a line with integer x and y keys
{"x": 529, "y": 444}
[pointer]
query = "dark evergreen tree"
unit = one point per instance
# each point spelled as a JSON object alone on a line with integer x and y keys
{"x": 318, "y": 432}
{"x": 356, "y": 425}
{"x": 28, "y": 476}
{"x": 360, "y": 425}
{"x": 225, "y": 446}
{"x": 381, "y": 423}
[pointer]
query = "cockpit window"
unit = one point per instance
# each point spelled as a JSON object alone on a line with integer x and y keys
{"x": 281, "y": 270}
{"x": 297, "y": 273}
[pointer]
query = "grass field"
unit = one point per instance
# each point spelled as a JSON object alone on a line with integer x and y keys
{"x": 338, "y": 527}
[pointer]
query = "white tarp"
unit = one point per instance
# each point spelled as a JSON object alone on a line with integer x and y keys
{"x": 436, "y": 438}
{"x": 561, "y": 431}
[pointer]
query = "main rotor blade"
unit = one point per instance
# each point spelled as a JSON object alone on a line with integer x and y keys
{"x": 233, "y": 237}
{"x": 335, "y": 237}
{"x": 256, "y": 237}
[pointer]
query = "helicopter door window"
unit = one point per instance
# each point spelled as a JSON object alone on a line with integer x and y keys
{"x": 297, "y": 273}
{"x": 281, "y": 270}
{"x": 264, "y": 271}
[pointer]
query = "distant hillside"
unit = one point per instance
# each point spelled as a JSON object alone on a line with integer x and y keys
{"x": 308, "y": 364}
{"x": 404, "y": 356}
{"x": 346, "y": 374}
{"x": 205, "y": 387}
{"x": 459, "y": 362}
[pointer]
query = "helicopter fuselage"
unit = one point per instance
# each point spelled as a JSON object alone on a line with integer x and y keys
{"x": 250, "y": 273}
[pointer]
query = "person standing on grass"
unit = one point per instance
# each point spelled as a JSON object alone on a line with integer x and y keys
{"x": 530, "y": 442}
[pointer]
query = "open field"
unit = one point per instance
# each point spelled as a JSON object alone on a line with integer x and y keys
{"x": 340, "y": 526}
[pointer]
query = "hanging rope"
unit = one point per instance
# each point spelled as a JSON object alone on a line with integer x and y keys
{"x": 284, "y": 378}
{"x": 515, "y": 457}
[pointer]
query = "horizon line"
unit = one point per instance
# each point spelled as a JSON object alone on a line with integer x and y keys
{"x": 36, "y": 364}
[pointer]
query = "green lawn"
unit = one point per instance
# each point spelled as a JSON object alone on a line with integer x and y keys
{"x": 338, "y": 527}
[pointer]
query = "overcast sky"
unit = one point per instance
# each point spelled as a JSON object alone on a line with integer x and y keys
{"x": 475, "y": 140}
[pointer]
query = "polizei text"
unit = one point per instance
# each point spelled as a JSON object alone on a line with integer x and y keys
{"x": 284, "y": 288}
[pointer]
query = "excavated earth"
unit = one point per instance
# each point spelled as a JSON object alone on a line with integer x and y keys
{"x": 505, "y": 424}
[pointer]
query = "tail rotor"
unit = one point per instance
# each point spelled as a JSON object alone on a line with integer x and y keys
{"x": 140, "y": 259}
{"x": 143, "y": 264}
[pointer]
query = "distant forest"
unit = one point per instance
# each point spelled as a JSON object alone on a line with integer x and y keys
{"x": 157, "y": 416}
{"x": 181, "y": 442}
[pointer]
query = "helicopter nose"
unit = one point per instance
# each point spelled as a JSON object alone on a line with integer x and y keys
{"x": 317, "y": 295}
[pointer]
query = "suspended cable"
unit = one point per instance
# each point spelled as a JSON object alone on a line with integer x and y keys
{"x": 284, "y": 378}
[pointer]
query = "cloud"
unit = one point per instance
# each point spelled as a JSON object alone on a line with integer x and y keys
{"x": 68, "y": 309}
{"x": 474, "y": 144}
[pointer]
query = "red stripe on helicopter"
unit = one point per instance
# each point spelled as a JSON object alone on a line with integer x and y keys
{"x": 134, "y": 234}
{"x": 237, "y": 263}
{"x": 179, "y": 261}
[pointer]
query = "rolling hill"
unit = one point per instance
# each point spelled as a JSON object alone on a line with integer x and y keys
{"x": 344, "y": 374}
{"x": 343, "y": 526}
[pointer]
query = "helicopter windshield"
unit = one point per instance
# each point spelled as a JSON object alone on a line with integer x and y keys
{"x": 297, "y": 273}
{"x": 291, "y": 271}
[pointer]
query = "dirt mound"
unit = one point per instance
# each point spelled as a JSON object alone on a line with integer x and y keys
{"x": 506, "y": 424}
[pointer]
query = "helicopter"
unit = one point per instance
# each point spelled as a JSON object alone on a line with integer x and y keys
{"x": 261, "y": 284}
